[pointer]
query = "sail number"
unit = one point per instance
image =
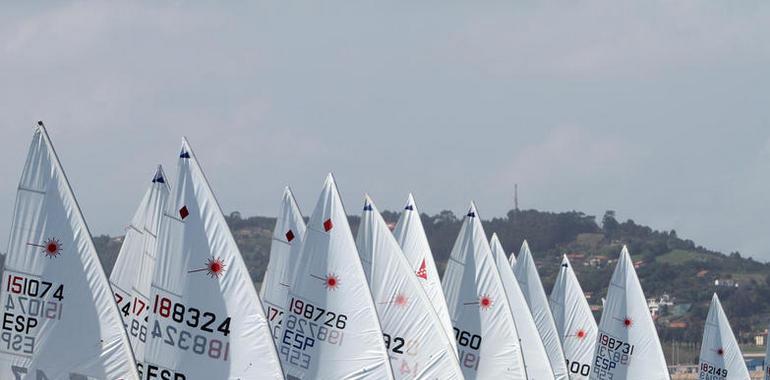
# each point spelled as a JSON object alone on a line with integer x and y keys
{"x": 468, "y": 359}
{"x": 579, "y": 368}
{"x": 611, "y": 353}
{"x": 33, "y": 288}
{"x": 304, "y": 325}
{"x": 466, "y": 339}
{"x": 315, "y": 314}
{"x": 399, "y": 345}
{"x": 190, "y": 316}
{"x": 185, "y": 340}
{"x": 29, "y": 300}
{"x": 710, "y": 372}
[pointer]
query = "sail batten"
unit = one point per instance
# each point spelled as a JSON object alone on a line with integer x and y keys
{"x": 574, "y": 320}
{"x": 52, "y": 262}
{"x": 485, "y": 331}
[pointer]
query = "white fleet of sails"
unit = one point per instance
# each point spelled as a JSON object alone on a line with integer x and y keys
{"x": 180, "y": 303}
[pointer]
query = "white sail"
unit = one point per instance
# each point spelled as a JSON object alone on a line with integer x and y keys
{"x": 532, "y": 348}
{"x": 131, "y": 276}
{"x": 484, "y": 327}
{"x": 720, "y": 356}
{"x": 574, "y": 320}
{"x": 627, "y": 345}
{"x": 529, "y": 281}
{"x": 416, "y": 340}
{"x": 331, "y": 330}
{"x": 512, "y": 260}
{"x": 288, "y": 235}
{"x": 410, "y": 234}
{"x": 206, "y": 320}
{"x": 60, "y": 319}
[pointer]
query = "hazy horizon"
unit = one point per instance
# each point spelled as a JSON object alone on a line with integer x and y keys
{"x": 657, "y": 110}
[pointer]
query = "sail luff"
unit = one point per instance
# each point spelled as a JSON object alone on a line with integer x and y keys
{"x": 132, "y": 273}
{"x": 51, "y": 247}
{"x": 206, "y": 318}
{"x": 330, "y": 282}
{"x": 533, "y": 351}
{"x": 574, "y": 320}
{"x": 720, "y": 354}
{"x": 411, "y": 237}
{"x": 627, "y": 346}
{"x": 532, "y": 288}
{"x": 485, "y": 330}
{"x": 287, "y": 239}
{"x": 414, "y": 336}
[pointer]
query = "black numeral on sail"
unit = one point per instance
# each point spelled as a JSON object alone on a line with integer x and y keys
{"x": 578, "y": 368}
{"x": 32, "y": 287}
{"x": 190, "y": 316}
{"x": 397, "y": 342}
{"x": 314, "y": 313}
{"x": 467, "y": 339}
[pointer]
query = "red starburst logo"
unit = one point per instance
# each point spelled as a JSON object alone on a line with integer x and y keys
{"x": 721, "y": 351}
{"x": 485, "y": 302}
{"x": 215, "y": 268}
{"x": 401, "y": 300}
{"x": 628, "y": 322}
{"x": 332, "y": 282}
{"x": 51, "y": 247}
{"x": 581, "y": 334}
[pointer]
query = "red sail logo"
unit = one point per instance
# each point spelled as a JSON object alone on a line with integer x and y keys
{"x": 422, "y": 272}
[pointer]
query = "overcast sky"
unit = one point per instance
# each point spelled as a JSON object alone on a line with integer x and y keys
{"x": 659, "y": 110}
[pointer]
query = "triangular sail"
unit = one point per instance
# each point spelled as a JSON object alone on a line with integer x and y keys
{"x": 532, "y": 348}
{"x": 206, "y": 320}
{"x": 65, "y": 324}
{"x": 416, "y": 341}
{"x": 288, "y": 235}
{"x": 529, "y": 281}
{"x": 131, "y": 276}
{"x": 720, "y": 355}
{"x": 574, "y": 320}
{"x": 484, "y": 327}
{"x": 627, "y": 345}
{"x": 331, "y": 329}
{"x": 410, "y": 234}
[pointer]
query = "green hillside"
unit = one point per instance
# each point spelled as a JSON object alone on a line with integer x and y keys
{"x": 667, "y": 264}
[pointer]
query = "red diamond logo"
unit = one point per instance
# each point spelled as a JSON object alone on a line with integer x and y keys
{"x": 289, "y": 236}
{"x": 328, "y": 225}
{"x": 183, "y": 212}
